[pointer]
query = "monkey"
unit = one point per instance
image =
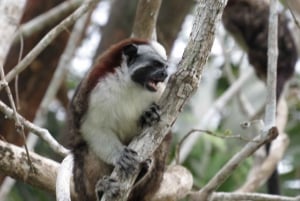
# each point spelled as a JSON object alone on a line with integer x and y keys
{"x": 110, "y": 106}
{"x": 247, "y": 21}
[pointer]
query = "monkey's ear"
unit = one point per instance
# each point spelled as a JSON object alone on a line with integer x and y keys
{"x": 130, "y": 50}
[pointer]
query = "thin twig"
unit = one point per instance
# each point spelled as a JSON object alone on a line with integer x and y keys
{"x": 61, "y": 70}
{"x": 41, "y": 132}
{"x": 244, "y": 103}
{"x": 234, "y": 162}
{"x": 293, "y": 15}
{"x": 19, "y": 126}
{"x": 217, "y": 106}
{"x": 222, "y": 196}
{"x": 48, "y": 18}
{"x": 46, "y": 40}
{"x": 17, "y": 77}
{"x": 226, "y": 135}
{"x": 265, "y": 166}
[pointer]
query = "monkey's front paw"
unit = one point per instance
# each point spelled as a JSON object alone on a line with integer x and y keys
{"x": 128, "y": 162}
{"x": 109, "y": 186}
{"x": 150, "y": 116}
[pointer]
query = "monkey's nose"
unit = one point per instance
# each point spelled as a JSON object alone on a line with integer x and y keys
{"x": 160, "y": 75}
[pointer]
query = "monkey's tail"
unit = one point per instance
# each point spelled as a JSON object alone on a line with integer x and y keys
{"x": 63, "y": 179}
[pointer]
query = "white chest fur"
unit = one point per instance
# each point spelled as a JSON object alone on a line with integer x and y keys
{"x": 115, "y": 105}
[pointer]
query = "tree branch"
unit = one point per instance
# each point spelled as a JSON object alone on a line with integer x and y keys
{"x": 46, "y": 40}
{"x": 180, "y": 86}
{"x": 233, "y": 163}
{"x": 41, "y": 132}
{"x": 13, "y": 162}
{"x": 249, "y": 196}
{"x": 220, "y": 103}
{"x": 145, "y": 19}
{"x": 177, "y": 181}
{"x": 270, "y": 111}
{"x": 262, "y": 171}
{"x": 50, "y": 17}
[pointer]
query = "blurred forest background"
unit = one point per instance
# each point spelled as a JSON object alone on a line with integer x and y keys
{"x": 111, "y": 21}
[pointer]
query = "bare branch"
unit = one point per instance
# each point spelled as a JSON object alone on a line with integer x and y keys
{"x": 260, "y": 173}
{"x": 244, "y": 103}
{"x": 18, "y": 125}
{"x": 177, "y": 180}
{"x": 294, "y": 7}
{"x": 217, "y": 106}
{"x": 226, "y": 135}
{"x": 53, "y": 87}
{"x": 13, "y": 162}
{"x": 181, "y": 85}
{"x": 46, "y": 40}
{"x": 9, "y": 182}
{"x": 270, "y": 111}
{"x": 48, "y": 18}
{"x": 145, "y": 19}
{"x": 233, "y": 163}
{"x": 249, "y": 196}
{"x": 41, "y": 132}
{"x": 61, "y": 70}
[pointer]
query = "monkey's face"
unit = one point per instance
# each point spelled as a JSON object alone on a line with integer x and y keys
{"x": 147, "y": 66}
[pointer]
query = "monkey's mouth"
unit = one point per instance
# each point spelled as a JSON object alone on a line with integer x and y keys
{"x": 153, "y": 85}
{"x": 156, "y": 79}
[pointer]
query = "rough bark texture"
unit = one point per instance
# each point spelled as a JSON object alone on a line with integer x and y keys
{"x": 13, "y": 162}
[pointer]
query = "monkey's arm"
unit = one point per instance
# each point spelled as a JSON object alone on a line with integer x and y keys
{"x": 105, "y": 144}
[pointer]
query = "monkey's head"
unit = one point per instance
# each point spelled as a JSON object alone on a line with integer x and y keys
{"x": 147, "y": 64}
{"x": 139, "y": 61}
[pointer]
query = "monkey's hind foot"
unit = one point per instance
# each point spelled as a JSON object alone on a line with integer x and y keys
{"x": 150, "y": 116}
{"x": 128, "y": 162}
{"x": 109, "y": 186}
